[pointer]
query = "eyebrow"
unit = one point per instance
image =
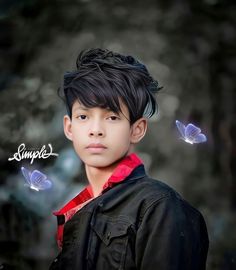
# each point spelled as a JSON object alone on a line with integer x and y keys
{"x": 82, "y": 108}
{"x": 86, "y": 109}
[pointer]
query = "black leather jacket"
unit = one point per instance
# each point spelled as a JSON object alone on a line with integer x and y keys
{"x": 141, "y": 223}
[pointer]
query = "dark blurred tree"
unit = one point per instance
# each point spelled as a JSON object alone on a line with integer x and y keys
{"x": 199, "y": 49}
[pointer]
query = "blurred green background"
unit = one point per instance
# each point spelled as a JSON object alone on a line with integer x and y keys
{"x": 188, "y": 46}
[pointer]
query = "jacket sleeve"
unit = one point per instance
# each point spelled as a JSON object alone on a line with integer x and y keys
{"x": 172, "y": 236}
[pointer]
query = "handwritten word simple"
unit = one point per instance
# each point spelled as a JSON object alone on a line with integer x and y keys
{"x": 23, "y": 153}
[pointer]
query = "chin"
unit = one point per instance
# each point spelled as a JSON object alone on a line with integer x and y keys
{"x": 97, "y": 161}
{"x": 98, "y": 164}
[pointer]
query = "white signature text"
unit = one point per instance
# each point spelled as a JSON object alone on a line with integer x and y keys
{"x": 22, "y": 153}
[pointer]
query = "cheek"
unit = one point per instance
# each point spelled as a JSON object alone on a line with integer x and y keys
{"x": 122, "y": 134}
{"x": 76, "y": 131}
{"x": 77, "y": 136}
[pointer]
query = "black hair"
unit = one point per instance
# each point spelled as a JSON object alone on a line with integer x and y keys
{"x": 103, "y": 77}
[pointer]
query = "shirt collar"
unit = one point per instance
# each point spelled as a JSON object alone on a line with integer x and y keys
{"x": 125, "y": 169}
{"x": 121, "y": 172}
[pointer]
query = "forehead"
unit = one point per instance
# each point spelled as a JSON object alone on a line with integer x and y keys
{"x": 78, "y": 105}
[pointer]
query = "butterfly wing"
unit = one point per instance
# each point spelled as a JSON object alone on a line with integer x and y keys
{"x": 200, "y": 138}
{"x": 37, "y": 178}
{"x": 40, "y": 181}
{"x": 45, "y": 185}
{"x": 26, "y": 173}
{"x": 191, "y": 132}
{"x": 181, "y": 128}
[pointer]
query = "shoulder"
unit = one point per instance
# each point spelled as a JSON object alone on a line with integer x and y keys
{"x": 154, "y": 193}
{"x": 152, "y": 189}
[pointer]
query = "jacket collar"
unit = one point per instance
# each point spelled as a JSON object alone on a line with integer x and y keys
{"x": 130, "y": 167}
{"x": 124, "y": 170}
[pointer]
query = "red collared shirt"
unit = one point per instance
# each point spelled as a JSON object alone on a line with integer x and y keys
{"x": 123, "y": 169}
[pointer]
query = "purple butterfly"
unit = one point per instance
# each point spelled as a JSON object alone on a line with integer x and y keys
{"x": 36, "y": 180}
{"x": 190, "y": 133}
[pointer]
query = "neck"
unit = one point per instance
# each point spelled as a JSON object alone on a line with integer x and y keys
{"x": 97, "y": 177}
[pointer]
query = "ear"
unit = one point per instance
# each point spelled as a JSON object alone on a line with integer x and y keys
{"x": 67, "y": 127}
{"x": 139, "y": 129}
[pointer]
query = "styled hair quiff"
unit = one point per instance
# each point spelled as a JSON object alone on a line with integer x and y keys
{"x": 103, "y": 77}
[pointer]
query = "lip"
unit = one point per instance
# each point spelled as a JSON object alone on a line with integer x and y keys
{"x": 96, "y": 146}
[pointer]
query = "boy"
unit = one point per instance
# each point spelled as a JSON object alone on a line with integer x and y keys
{"x": 123, "y": 219}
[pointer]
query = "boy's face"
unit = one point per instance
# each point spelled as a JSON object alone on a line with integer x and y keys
{"x": 101, "y": 126}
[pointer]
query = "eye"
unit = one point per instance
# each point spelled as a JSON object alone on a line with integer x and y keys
{"x": 113, "y": 117}
{"x": 82, "y": 116}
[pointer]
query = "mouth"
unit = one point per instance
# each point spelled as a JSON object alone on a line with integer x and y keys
{"x": 96, "y": 147}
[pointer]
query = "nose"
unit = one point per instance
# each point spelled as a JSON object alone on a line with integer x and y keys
{"x": 96, "y": 130}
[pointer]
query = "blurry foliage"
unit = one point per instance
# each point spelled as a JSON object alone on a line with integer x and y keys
{"x": 189, "y": 46}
